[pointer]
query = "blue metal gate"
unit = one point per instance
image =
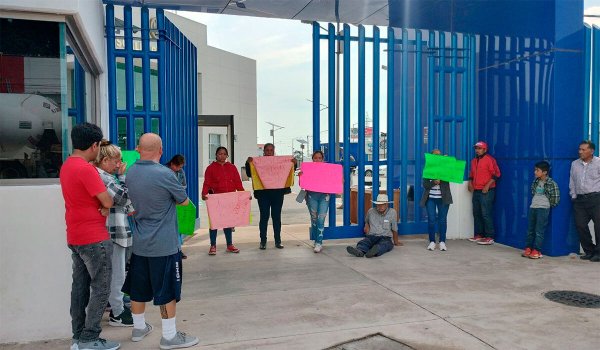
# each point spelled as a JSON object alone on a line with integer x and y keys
{"x": 591, "y": 108}
{"x": 430, "y": 104}
{"x": 152, "y": 85}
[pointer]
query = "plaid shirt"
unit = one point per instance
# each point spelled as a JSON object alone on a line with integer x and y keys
{"x": 551, "y": 190}
{"x": 117, "y": 223}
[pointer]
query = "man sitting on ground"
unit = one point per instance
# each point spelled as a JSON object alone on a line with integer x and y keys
{"x": 381, "y": 226}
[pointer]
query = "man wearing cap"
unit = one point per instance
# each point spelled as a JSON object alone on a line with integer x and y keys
{"x": 584, "y": 188}
{"x": 482, "y": 182}
{"x": 381, "y": 226}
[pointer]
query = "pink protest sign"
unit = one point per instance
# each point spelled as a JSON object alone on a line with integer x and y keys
{"x": 230, "y": 209}
{"x": 273, "y": 171}
{"x": 322, "y": 177}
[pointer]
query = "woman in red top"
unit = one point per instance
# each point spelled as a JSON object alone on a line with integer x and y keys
{"x": 221, "y": 177}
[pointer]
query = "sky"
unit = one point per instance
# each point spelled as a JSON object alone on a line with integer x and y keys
{"x": 283, "y": 53}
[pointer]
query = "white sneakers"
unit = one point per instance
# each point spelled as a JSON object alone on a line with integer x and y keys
{"x": 431, "y": 246}
{"x": 318, "y": 248}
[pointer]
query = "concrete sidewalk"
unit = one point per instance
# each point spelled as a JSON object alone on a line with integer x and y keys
{"x": 469, "y": 297}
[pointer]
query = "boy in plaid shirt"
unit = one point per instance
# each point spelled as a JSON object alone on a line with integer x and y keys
{"x": 111, "y": 171}
{"x": 545, "y": 195}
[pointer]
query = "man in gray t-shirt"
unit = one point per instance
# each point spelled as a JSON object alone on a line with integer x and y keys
{"x": 155, "y": 271}
{"x": 381, "y": 227}
{"x": 154, "y": 192}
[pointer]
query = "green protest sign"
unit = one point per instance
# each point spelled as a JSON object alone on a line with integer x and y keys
{"x": 130, "y": 157}
{"x": 186, "y": 218}
{"x": 438, "y": 167}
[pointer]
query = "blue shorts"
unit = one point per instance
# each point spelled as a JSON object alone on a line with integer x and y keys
{"x": 154, "y": 278}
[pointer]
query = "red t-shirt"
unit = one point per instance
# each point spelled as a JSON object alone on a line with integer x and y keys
{"x": 80, "y": 184}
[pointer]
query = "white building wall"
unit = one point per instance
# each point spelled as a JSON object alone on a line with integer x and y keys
{"x": 227, "y": 87}
{"x": 35, "y": 263}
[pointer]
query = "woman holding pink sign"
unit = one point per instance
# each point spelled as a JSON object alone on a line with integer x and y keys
{"x": 318, "y": 205}
{"x": 221, "y": 177}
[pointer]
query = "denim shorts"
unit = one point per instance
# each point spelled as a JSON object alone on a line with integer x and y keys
{"x": 154, "y": 278}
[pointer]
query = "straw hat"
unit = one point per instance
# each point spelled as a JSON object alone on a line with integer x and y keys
{"x": 381, "y": 199}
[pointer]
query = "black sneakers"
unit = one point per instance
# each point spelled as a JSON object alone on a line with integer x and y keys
{"x": 123, "y": 320}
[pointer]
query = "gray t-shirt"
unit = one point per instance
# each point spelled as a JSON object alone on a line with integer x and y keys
{"x": 154, "y": 191}
{"x": 382, "y": 225}
{"x": 539, "y": 200}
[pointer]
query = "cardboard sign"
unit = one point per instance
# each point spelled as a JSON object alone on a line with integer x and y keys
{"x": 186, "y": 218}
{"x": 230, "y": 209}
{"x": 322, "y": 177}
{"x": 273, "y": 171}
{"x": 438, "y": 167}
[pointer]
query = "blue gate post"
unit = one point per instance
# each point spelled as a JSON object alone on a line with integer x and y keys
{"x": 418, "y": 127}
{"x": 376, "y": 97}
{"x": 331, "y": 91}
{"x": 361, "y": 127}
{"x": 346, "y": 123}
{"x": 595, "y": 121}
{"x": 391, "y": 47}
{"x": 316, "y": 92}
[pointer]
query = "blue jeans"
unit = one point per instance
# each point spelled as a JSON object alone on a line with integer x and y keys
{"x": 438, "y": 216}
{"x": 538, "y": 220}
{"x": 90, "y": 288}
{"x": 383, "y": 243}
{"x": 483, "y": 207}
{"x": 318, "y": 205}
{"x": 213, "y": 236}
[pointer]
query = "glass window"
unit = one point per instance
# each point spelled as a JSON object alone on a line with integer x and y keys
{"x": 139, "y": 129}
{"x": 214, "y": 142}
{"x": 138, "y": 84}
{"x": 155, "y": 127}
{"x": 122, "y": 132}
{"x": 121, "y": 83}
{"x": 154, "y": 106}
{"x": 33, "y": 99}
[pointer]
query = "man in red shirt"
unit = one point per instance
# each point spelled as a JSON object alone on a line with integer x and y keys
{"x": 85, "y": 195}
{"x": 482, "y": 182}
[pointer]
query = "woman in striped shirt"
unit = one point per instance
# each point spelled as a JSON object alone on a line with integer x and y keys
{"x": 437, "y": 199}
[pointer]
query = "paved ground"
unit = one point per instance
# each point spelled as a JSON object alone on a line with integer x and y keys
{"x": 470, "y": 297}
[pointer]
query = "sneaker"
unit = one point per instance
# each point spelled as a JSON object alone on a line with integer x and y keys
{"x": 262, "y": 246}
{"x": 279, "y": 246}
{"x": 526, "y": 252}
{"x": 212, "y": 250}
{"x": 318, "y": 248}
{"x": 123, "y": 320}
{"x": 74, "y": 344}
{"x": 535, "y": 254}
{"x": 358, "y": 253}
{"x": 232, "y": 249}
{"x": 139, "y": 334}
{"x": 181, "y": 340}
{"x": 477, "y": 238}
{"x": 372, "y": 252}
{"x": 99, "y": 344}
{"x": 443, "y": 246}
{"x": 486, "y": 241}
{"x": 431, "y": 246}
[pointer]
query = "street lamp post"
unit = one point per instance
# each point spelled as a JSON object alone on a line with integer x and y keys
{"x": 273, "y": 126}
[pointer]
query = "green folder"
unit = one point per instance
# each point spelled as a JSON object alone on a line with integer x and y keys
{"x": 186, "y": 218}
{"x": 438, "y": 167}
{"x": 130, "y": 157}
